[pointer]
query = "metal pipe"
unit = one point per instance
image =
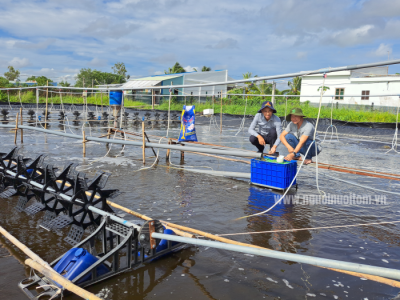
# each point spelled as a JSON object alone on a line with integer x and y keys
{"x": 288, "y": 75}
{"x": 221, "y": 173}
{"x": 151, "y": 145}
{"x": 316, "y": 261}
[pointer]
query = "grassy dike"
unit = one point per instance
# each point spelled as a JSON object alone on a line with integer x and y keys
{"x": 342, "y": 114}
{"x": 230, "y": 106}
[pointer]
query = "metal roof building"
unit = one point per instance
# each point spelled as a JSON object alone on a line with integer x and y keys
{"x": 180, "y": 79}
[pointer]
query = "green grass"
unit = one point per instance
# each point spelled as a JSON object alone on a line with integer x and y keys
{"x": 234, "y": 106}
{"x": 342, "y": 114}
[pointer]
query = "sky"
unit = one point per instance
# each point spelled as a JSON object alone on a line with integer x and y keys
{"x": 267, "y": 37}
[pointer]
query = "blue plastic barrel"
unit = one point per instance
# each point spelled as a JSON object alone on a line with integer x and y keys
{"x": 115, "y": 97}
{"x": 75, "y": 261}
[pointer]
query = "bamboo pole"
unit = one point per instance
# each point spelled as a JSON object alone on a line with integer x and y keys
{"x": 144, "y": 145}
{"x": 22, "y": 247}
{"x": 53, "y": 275}
{"x": 16, "y": 129}
{"x": 47, "y": 102}
{"x": 22, "y": 123}
{"x": 43, "y": 267}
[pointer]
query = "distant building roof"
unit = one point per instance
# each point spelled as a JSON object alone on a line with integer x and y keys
{"x": 158, "y": 77}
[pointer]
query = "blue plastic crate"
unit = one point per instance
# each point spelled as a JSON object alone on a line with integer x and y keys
{"x": 273, "y": 174}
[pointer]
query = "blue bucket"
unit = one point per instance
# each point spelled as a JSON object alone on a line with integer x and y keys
{"x": 115, "y": 97}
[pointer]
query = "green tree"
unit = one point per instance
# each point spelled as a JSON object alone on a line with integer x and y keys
{"x": 86, "y": 76}
{"x": 40, "y": 80}
{"x": 64, "y": 84}
{"x": 120, "y": 69}
{"x": 177, "y": 68}
{"x": 325, "y": 89}
{"x": 263, "y": 88}
{"x": 295, "y": 86}
{"x": 12, "y": 74}
{"x": 249, "y": 83}
{"x": 205, "y": 69}
{"x": 4, "y": 83}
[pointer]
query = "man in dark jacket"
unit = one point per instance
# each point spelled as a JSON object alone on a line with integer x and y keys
{"x": 269, "y": 129}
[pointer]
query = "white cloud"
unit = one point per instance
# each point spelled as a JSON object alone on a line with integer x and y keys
{"x": 97, "y": 62}
{"x": 191, "y": 69}
{"x": 352, "y": 36}
{"x": 301, "y": 55}
{"x": 17, "y": 62}
{"x": 34, "y": 46}
{"x": 383, "y": 50}
{"x": 167, "y": 58}
{"x": 228, "y": 43}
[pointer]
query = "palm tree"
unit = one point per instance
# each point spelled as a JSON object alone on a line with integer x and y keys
{"x": 205, "y": 69}
{"x": 247, "y": 76}
{"x": 263, "y": 88}
{"x": 177, "y": 68}
{"x": 295, "y": 85}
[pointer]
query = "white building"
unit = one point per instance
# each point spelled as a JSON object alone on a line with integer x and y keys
{"x": 353, "y": 88}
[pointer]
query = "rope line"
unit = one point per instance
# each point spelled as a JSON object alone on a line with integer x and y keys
{"x": 302, "y": 229}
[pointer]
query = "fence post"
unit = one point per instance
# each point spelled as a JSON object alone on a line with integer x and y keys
{"x": 220, "y": 116}
{"x": 47, "y": 101}
{"x": 16, "y": 129}
{"x": 144, "y": 144}
{"x": 152, "y": 99}
{"x": 22, "y": 123}
{"x": 372, "y": 106}
{"x": 273, "y": 93}
{"x": 84, "y": 143}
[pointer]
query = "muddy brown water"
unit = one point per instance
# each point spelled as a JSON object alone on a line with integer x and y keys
{"x": 211, "y": 204}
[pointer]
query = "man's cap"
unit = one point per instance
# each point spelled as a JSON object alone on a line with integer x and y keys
{"x": 267, "y": 104}
{"x": 295, "y": 112}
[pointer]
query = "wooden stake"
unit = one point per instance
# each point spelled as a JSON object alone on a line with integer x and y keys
{"x": 84, "y": 143}
{"x": 16, "y": 129}
{"x": 152, "y": 99}
{"x": 168, "y": 150}
{"x": 220, "y": 116}
{"x": 101, "y": 103}
{"x": 144, "y": 144}
{"x": 22, "y": 123}
{"x": 182, "y": 154}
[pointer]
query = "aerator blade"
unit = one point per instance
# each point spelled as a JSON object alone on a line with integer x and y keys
{"x": 74, "y": 235}
{"x": 59, "y": 222}
{"x": 46, "y": 221}
{"x": 8, "y": 192}
{"x": 22, "y": 200}
{"x": 34, "y": 209}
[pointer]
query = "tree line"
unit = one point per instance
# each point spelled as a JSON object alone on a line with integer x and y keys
{"x": 90, "y": 77}
{"x": 85, "y": 78}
